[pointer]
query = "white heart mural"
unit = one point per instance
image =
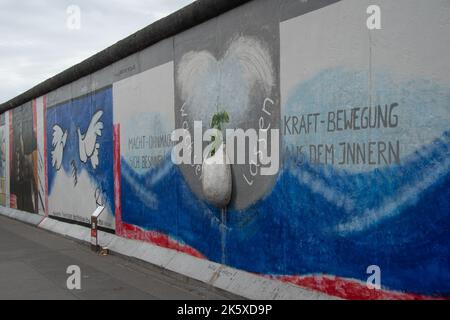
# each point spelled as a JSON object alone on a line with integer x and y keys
{"x": 207, "y": 84}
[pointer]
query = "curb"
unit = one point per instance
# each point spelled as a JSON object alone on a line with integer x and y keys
{"x": 237, "y": 282}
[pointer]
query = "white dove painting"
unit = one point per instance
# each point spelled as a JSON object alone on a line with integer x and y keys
{"x": 87, "y": 142}
{"x": 58, "y": 143}
{"x": 80, "y": 158}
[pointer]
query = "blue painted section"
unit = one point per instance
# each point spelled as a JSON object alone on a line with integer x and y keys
{"x": 76, "y": 114}
{"x": 294, "y": 230}
{"x": 320, "y": 219}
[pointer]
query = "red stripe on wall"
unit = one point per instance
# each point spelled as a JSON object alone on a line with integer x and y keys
{"x": 44, "y": 120}
{"x": 348, "y": 288}
{"x": 160, "y": 239}
{"x": 117, "y": 200}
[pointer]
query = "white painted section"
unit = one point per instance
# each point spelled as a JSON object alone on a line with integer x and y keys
{"x": 216, "y": 178}
{"x": 337, "y": 35}
{"x": 144, "y": 107}
{"x": 406, "y": 50}
{"x": 77, "y": 202}
{"x": 42, "y": 161}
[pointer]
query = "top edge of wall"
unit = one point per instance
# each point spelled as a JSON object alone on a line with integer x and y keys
{"x": 177, "y": 22}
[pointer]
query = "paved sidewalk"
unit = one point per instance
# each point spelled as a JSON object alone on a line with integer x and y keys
{"x": 33, "y": 264}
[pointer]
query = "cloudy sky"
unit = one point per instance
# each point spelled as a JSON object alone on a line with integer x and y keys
{"x": 40, "y": 38}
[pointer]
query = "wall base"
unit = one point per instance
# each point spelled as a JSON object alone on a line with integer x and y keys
{"x": 30, "y": 218}
{"x": 237, "y": 282}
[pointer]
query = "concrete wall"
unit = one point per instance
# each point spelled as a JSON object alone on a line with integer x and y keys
{"x": 364, "y": 117}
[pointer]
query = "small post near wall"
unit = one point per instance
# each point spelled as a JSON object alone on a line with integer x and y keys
{"x": 94, "y": 226}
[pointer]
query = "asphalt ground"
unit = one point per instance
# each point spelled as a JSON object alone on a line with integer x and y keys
{"x": 34, "y": 265}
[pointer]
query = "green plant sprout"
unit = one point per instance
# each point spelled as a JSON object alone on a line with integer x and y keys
{"x": 219, "y": 118}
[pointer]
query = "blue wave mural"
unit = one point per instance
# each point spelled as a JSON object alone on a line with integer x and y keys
{"x": 325, "y": 219}
{"x": 304, "y": 226}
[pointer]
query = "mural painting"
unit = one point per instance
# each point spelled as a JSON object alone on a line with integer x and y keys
{"x": 364, "y": 175}
{"x": 80, "y": 158}
{"x": 144, "y": 120}
{"x": 355, "y": 169}
{"x": 366, "y": 160}
{"x": 240, "y": 79}
{"x": 24, "y": 193}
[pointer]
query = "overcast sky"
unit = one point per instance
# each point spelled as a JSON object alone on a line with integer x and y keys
{"x": 36, "y": 42}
